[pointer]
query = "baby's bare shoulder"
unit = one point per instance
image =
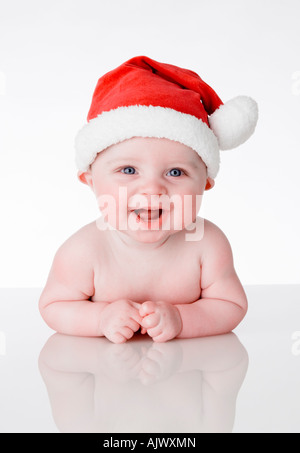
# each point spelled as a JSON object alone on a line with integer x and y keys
{"x": 209, "y": 237}
{"x": 77, "y": 254}
{"x": 72, "y": 272}
{"x": 213, "y": 233}
{"x": 216, "y": 256}
{"x": 81, "y": 243}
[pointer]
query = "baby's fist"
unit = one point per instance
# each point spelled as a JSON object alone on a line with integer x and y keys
{"x": 120, "y": 320}
{"x": 161, "y": 320}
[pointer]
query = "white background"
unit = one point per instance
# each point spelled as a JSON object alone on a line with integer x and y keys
{"x": 51, "y": 54}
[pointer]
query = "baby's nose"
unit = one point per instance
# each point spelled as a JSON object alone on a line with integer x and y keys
{"x": 152, "y": 186}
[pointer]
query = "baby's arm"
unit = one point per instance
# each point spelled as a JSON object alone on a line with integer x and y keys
{"x": 65, "y": 301}
{"x": 223, "y": 303}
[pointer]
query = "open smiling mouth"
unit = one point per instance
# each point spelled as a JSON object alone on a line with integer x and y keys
{"x": 147, "y": 215}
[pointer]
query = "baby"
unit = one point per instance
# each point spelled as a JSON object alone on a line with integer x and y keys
{"x": 149, "y": 150}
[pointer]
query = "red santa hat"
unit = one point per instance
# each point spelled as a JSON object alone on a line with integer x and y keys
{"x": 145, "y": 98}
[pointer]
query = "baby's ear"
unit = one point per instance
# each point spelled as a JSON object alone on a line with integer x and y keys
{"x": 209, "y": 183}
{"x": 86, "y": 178}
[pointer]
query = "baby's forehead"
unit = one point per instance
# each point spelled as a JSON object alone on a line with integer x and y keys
{"x": 141, "y": 148}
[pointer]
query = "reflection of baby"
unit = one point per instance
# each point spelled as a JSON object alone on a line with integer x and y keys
{"x": 150, "y": 149}
{"x": 186, "y": 386}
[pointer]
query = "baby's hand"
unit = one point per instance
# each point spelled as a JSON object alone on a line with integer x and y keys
{"x": 119, "y": 320}
{"x": 161, "y": 320}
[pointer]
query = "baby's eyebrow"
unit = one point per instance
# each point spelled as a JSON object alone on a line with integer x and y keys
{"x": 190, "y": 163}
{"x": 123, "y": 160}
{"x": 187, "y": 163}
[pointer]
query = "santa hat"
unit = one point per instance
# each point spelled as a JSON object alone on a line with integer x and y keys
{"x": 145, "y": 98}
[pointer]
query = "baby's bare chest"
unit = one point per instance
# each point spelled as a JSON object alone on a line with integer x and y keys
{"x": 173, "y": 278}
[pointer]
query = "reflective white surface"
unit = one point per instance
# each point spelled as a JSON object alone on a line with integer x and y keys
{"x": 246, "y": 381}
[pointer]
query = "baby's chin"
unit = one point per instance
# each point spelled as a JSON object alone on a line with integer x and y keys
{"x": 149, "y": 233}
{"x": 149, "y": 236}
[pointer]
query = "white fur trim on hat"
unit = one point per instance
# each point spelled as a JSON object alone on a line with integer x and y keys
{"x": 234, "y": 121}
{"x": 123, "y": 123}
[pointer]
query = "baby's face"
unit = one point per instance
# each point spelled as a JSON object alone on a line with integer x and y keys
{"x": 148, "y": 187}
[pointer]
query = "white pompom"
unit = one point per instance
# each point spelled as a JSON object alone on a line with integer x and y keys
{"x": 234, "y": 122}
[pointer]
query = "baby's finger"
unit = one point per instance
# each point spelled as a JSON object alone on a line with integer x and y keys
{"x": 161, "y": 338}
{"x": 143, "y": 330}
{"x": 126, "y": 332}
{"x": 154, "y": 332}
{"x": 147, "y": 307}
{"x": 116, "y": 337}
{"x": 133, "y": 324}
{"x": 136, "y": 305}
{"x": 135, "y": 315}
{"x": 150, "y": 321}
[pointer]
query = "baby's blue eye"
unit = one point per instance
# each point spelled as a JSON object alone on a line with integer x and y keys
{"x": 128, "y": 170}
{"x": 175, "y": 172}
